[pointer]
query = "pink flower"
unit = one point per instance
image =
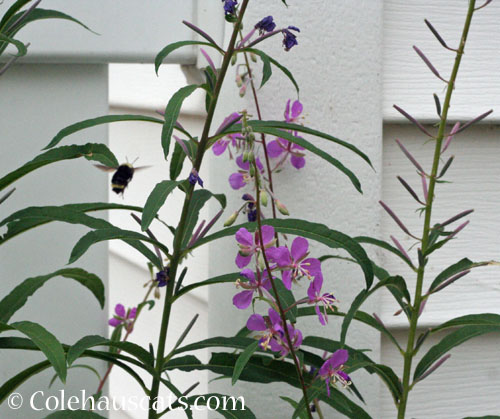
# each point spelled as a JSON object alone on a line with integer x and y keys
{"x": 316, "y": 298}
{"x": 243, "y": 177}
{"x": 123, "y": 317}
{"x": 292, "y": 115}
{"x": 331, "y": 370}
{"x": 279, "y": 146}
{"x": 294, "y": 263}
{"x": 261, "y": 285}
{"x": 250, "y": 244}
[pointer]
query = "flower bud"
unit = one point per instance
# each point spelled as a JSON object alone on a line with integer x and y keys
{"x": 264, "y": 197}
{"x": 243, "y": 90}
{"x": 234, "y": 59}
{"x": 253, "y": 57}
{"x": 281, "y": 208}
{"x": 230, "y": 221}
{"x": 239, "y": 81}
{"x": 157, "y": 293}
{"x": 252, "y": 170}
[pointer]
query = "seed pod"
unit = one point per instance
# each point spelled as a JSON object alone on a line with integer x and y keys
{"x": 264, "y": 197}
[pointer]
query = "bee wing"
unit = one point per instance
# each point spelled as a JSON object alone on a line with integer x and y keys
{"x": 141, "y": 168}
{"x": 105, "y": 168}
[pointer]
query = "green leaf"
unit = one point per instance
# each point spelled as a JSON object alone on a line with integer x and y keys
{"x": 155, "y": 201}
{"x": 217, "y": 342}
{"x": 230, "y": 407}
{"x": 179, "y": 156}
{"x": 82, "y": 345}
{"x": 287, "y": 300}
{"x": 11, "y": 12}
{"x": 267, "y": 70}
{"x": 172, "y": 113}
{"x": 74, "y": 414}
{"x": 232, "y": 277}
{"x": 10, "y": 385}
{"x": 82, "y": 366}
{"x": 396, "y": 283}
{"x": 199, "y": 199}
{"x": 21, "y": 48}
{"x": 243, "y": 359}
{"x": 302, "y": 414}
{"x": 484, "y": 319}
{"x": 172, "y": 47}
{"x": 318, "y": 232}
{"x": 47, "y": 343}
{"x": 42, "y": 14}
{"x": 340, "y": 402}
{"x": 111, "y": 233}
{"x": 451, "y": 271}
{"x": 89, "y": 123}
{"x": 384, "y": 245}
{"x": 95, "y": 152}
{"x": 455, "y": 338}
{"x": 19, "y": 295}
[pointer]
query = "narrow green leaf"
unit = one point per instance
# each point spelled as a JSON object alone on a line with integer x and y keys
{"x": 267, "y": 70}
{"x": 172, "y": 47}
{"x": 484, "y": 319}
{"x": 232, "y": 277}
{"x": 313, "y": 231}
{"x": 384, "y": 245}
{"x": 217, "y": 342}
{"x": 42, "y": 14}
{"x": 89, "y": 123}
{"x": 95, "y": 152}
{"x": 242, "y": 360}
{"x": 111, "y": 233}
{"x": 82, "y": 345}
{"x": 302, "y": 414}
{"x": 287, "y": 300}
{"x": 155, "y": 201}
{"x": 450, "y": 271}
{"x": 455, "y": 338}
{"x": 47, "y": 343}
{"x": 19, "y": 295}
{"x": 82, "y": 366}
{"x": 172, "y": 113}
{"x": 11, "y": 12}
{"x": 10, "y": 385}
{"x": 21, "y": 48}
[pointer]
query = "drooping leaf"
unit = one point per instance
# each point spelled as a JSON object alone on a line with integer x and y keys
{"x": 309, "y": 230}
{"x": 155, "y": 201}
{"x": 78, "y": 366}
{"x": 176, "y": 45}
{"x": 11, "y": 11}
{"x": 452, "y": 270}
{"x": 21, "y": 48}
{"x": 46, "y": 342}
{"x": 172, "y": 113}
{"x": 484, "y": 319}
{"x": 242, "y": 360}
{"x": 95, "y": 152}
{"x": 267, "y": 70}
{"x": 455, "y": 338}
{"x": 19, "y": 295}
{"x": 384, "y": 245}
{"x": 110, "y": 233}
{"x": 10, "y": 385}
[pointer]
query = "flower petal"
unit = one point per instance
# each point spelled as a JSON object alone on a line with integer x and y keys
{"x": 257, "y": 323}
{"x": 120, "y": 310}
{"x": 300, "y": 246}
{"x": 241, "y": 164}
{"x": 243, "y": 299}
{"x": 287, "y": 279}
{"x": 220, "y": 146}
{"x": 114, "y": 322}
{"x": 298, "y": 162}
{"x": 248, "y": 274}
{"x": 297, "y": 109}
{"x": 339, "y": 357}
{"x": 237, "y": 181}
{"x": 242, "y": 261}
{"x": 267, "y": 234}
{"x": 274, "y": 149}
{"x": 244, "y": 237}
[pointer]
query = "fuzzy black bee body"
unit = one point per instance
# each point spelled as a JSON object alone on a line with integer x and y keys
{"x": 121, "y": 178}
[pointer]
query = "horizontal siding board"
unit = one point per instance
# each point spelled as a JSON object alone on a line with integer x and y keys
{"x": 408, "y": 82}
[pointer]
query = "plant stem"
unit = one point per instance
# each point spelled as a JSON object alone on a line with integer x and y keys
{"x": 177, "y": 251}
{"x": 263, "y": 136}
{"x": 409, "y": 353}
{"x": 278, "y": 301}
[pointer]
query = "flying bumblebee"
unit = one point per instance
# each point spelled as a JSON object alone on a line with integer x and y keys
{"x": 122, "y": 176}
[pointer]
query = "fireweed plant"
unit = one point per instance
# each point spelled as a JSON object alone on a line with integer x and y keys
{"x": 270, "y": 262}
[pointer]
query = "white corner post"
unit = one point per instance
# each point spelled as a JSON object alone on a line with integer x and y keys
{"x": 338, "y": 66}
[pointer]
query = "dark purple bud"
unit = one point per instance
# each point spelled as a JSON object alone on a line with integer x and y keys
{"x": 410, "y": 190}
{"x": 194, "y": 177}
{"x": 248, "y": 197}
{"x": 395, "y": 218}
{"x": 477, "y": 119}
{"x": 456, "y": 217}
{"x": 413, "y": 120}
{"x": 429, "y": 64}
{"x": 450, "y": 281}
{"x": 438, "y": 37}
{"x": 230, "y": 7}
{"x": 294, "y": 28}
{"x": 410, "y": 157}
{"x": 289, "y": 39}
{"x": 266, "y": 25}
{"x": 434, "y": 367}
{"x": 162, "y": 277}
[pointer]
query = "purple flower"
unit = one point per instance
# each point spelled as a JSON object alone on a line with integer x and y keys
{"x": 331, "y": 370}
{"x": 266, "y": 25}
{"x": 221, "y": 144}
{"x": 230, "y": 7}
{"x": 261, "y": 285}
{"x": 194, "y": 177}
{"x": 241, "y": 178}
{"x": 292, "y": 114}
{"x": 290, "y": 39}
{"x": 315, "y": 297}
{"x": 294, "y": 263}
{"x": 250, "y": 244}
{"x": 279, "y": 146}
{"x": 162, "y": 278}
{"x": 123, "y": 317}
{"x": 273, "y": 335}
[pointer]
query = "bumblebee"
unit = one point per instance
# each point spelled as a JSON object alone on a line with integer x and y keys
{"x": 122, "y": 177}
